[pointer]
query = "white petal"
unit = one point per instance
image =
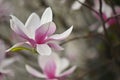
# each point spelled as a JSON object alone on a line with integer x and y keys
{"x": 64, "y": 64}
{"x": 47, "y": 16}
{"x": 32, "y": 23}
{"x": 34, "y": 72}
{"x": 63, "y": 35}
{"x": 43, "y": 49}
{"x": 68, "y": 72}
{"x": 18, "y": 24}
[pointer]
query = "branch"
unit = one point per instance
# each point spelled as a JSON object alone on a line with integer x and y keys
{"x": 118, "y": 15}
{"x": 89, "y": 7}
{"x": 102, "y": 20}
{"x": 114, "y": 11}
{"x": 89, "y": 35}
{"x": 75, "y": 38}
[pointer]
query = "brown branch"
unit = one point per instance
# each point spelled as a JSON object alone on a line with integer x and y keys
{"x": 114, "y": 11}
{"x": 89, "y": 7}
{"x": 89, "y": 35}
{"x": 75, "y": 38}
{"x": 103, "y": 22}
{"x": 118, "y": 15}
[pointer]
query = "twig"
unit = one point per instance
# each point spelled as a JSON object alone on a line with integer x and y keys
{"x": 83, "y": 37}
{"x": 114, "y": 11}
{"x": 75, "y": 38}
{"x": 118, "y": 15}
{"x": 103, "y": 22}
{"x": 89, "y": 7}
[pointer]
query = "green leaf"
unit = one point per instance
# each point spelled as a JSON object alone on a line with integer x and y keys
{"x": 16, "y": 49}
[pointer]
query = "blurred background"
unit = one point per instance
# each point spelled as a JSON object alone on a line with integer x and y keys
{"x": 92, "y": 48}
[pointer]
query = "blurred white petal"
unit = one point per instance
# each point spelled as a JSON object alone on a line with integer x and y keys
{"x": 34, "y": 72}
{"x": 68, "y": 72}
{"x": 64, "y": 64}
{"x": 7, "y": 62}
{"x": 76, "y": 5}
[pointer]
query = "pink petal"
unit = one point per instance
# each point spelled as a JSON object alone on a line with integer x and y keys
{"x": 62, "y": 36}
{"x": 68, "y": 72}
{"x": 44, "y": 31}
{"x": 32, "y": 23}
{"x": 112, "y": 21}
{"x": 34, "y": 72}
{"x": 50, "y": 69}
{"x": 43, "y": 60}
{"x": 47, "y": 16}
{"x": 43, "y": 49}
{"x": 55, "y": 46}
{"x": 32, "y": 42}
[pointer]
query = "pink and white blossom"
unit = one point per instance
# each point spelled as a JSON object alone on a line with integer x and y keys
{"x": 53, "y": 67}
{"x": 4, "y": 63}
{"x": 39, "y": 32}
{"x": 5, "y": 10}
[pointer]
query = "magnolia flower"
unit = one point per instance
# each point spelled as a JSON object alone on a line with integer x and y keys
{"x": 53, "y": 67}
{"x": 5, "y": 63}
{"x": 39, "y": 33}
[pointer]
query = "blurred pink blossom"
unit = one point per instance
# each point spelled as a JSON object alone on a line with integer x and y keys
{"x": 107, "y": 12}
{"x": 53, "y": 67}
{"x": 39, "y": 33}
{"x": 4, "y": 63}
{"x": 5, "y": 10}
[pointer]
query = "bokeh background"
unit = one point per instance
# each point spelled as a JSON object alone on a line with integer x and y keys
{"x": 86, "y": 47}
